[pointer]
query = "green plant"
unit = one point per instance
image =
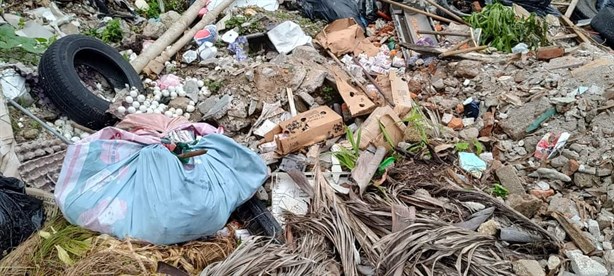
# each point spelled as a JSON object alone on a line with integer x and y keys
{"x": 214, "y": 86}
{"x": 9, "y": 41}
{"x": 112, "y": 32}
{"x": 387, "y": 136}
{"x": 499, "y": 191}
{"x": 348, "y": 157}
{"x": 153, "y": 11}
{"x": 417, "y": 120}
{"x": 475, "y": 146}
{"x": 69, "y": 242}
{"x": 175, "y": 5}
{"x": 503, "y": 30}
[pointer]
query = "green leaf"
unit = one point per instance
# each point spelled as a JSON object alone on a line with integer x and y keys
{"x": 386, "y": 164}
{"x": 461, "y": 146}
{"x": 63, "y": 256}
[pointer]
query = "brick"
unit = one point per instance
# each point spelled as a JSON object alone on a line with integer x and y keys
{"x": 550, "y": 52}
{"x": 456, "y": 124}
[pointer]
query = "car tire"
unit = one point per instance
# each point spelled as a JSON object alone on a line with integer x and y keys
{"x": 603, "y": 23}
{"x": 586, "y": 9}
{"x": 61, "y": 82}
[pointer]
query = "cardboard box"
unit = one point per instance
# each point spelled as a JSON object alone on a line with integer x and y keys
{"x": 401, "y": 96}
{"x": 358, "y": 103}
{"x": 344, "y": 36}
{"x": 308, "y": 128}
{"x": 371, "y": 132}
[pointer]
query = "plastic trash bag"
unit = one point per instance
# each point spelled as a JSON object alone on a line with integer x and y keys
{"x": 331, "y": 10}
{"x": 128, "y": 184}
{"x": 20, "y": 214}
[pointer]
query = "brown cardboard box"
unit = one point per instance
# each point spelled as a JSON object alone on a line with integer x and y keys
{"x": 344, "y": 36}
{"x": 308, "y": 128}
{"x": 400, "y": 94}
{"x": 371, "y": 131}
{"x": 358, "y": 103}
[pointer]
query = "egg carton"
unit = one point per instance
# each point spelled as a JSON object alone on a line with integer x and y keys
{"x": 41, "y": 162}
{"x": 38, "y": 148}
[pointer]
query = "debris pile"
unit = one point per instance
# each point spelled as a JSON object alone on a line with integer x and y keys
{"x": 399, "y": 138}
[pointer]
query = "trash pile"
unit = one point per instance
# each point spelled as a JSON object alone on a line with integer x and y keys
{"x": 334, "y": 137}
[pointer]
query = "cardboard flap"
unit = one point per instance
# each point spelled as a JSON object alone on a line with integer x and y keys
{"x": 341, "y": 36}
{"x": 357, "y": 101}
{"x": 308, "y": 128}
{"x": 372, "y": 133}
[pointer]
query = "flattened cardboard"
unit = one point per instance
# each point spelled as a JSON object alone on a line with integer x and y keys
{"x": 401, "y": 97}
{"x": 358, "y": 103}
{"x": 344, "y": 36}
{"x": 372, "y": 133}
{"x": 308, "y": 128}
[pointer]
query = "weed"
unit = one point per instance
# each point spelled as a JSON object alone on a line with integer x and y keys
{"x": 348, "y": 157}
{"x": 328, "y": 93}
{"x": 499, "y": 191}
{"x": 112, "y": 32}
{"x": 387, "y": 137}
{"x": 475, "y": 146}
{"x": 214, "y": 86}
{"x": 503, "y": 30}
{"x": 462, "y": 146}
{"x": 22, "y": 23}
{"x": 416, "y": 119}
{"x": 175, "y": 5}
{"x": 153, "y": 11}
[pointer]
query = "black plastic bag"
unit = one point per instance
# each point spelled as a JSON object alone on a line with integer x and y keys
{"x": 20, "y": 214}
{"x": 331, "y": 10}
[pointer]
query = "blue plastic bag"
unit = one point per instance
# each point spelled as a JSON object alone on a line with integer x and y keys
{"x": 130, "y": 189}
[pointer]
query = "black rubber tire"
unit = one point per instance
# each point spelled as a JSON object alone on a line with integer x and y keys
{"x": 586, "y": 9}
{"x": 603, "y": 23}
{"x": 62, "y": 84}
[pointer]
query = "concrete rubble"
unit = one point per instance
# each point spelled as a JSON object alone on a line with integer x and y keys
{"x": 507, "y": 110}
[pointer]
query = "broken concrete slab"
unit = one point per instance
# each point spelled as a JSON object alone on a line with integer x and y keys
{"x": 508, "y": 176}
{"x": 528, "y": 268}
{"x": 519, "y": 118}
{"x": 583, "y": 265}
{"x": 526, "y": 204}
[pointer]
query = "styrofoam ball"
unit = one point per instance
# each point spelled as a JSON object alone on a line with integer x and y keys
{"x": 136, "y": 104}
{"x": 147, "y": 103}
{"x": 191, "y": 103}
{"x": 157, "y": 98}
{"x": 131, "y": 110}
{"x": 157, "y": 93}
{"x": 75, "y": 139}
{"x": 179, "y": 111}
{"x": 150, "y": 110}
{"x": 154, "y": 103}
{"x": 172, "y": 109}
{"x": 172, "y": 89}
{"x": 156, "y": 88}
{"x": 186, "y": 115}
{"x": 201, "y": 83}
{"x": 190, "y": 108}
{"x": 157, "y": 111}
{"x": 140, "y": 98}
{"x": 133, "y": 93}
{"x": 143, "y": 108}
{"x": 59, "y": 122}
{"x": 166, "y": 93}
{"x": 181, "y": 94}
{"x": 129, "y": 99}
{"x": 138, "y": 112}
{"x": 121, "y": 110}
{"x": 168, "y": 113}
{"x": 173, "y": 95}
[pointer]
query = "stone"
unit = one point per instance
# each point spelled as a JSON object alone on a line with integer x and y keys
{"x": 179, "y": 102}
{"x": 585, "y": 180}
{"x": 456, "y": 124}
{"x": 169, "y": 18}
{"x": 608, "y": 258}
{"x": 508, "y": 176}
{"x": 490, "y": 227}
{"x": 593, "y": 228}
{"x": 30, "y": 134}
{"x": 519, "y": 118}
{"x": 553, "y": 262}
{"x": 607, "y": 245}
{"x": 438, "y": 84}
{"x": 582, "y": 265}
{"x": 528, "y": 268}
{"x": 447, "y": 118}
{"x": 308, "y": 53}
{"x": 571, "y": 167}
{"x": 469, "y": 134}
{"x": 313, "y": 80}
{"x": 551, "y": 174}
{"x": 191, "y": 89}
{"x": 559, "y": 161}
{"x": 549, "y": 52}
{"x": 238, "y": 109}
{"x": 563, "y": 205}
{"x": 69, "y": 28}
{"x": 467, "y": 69}
{"x": 570, "y": 154}
{"x": 605, "y": 219}
{"x": 528, "y": 205}
{"x": 154, "y": 29}
{"x": 468, "y": 122}
{"x": 542, "y": 194}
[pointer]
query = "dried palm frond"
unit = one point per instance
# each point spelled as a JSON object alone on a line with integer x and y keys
{"x": 434, "y": 248}
{"x": 260, "y": 256}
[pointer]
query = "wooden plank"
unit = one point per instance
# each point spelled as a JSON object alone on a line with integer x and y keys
{"x": 571, "y": 8}
{"x": 575, "y": 29}
{"x": 291, "y": 102}
{"x": 574, "y": 233}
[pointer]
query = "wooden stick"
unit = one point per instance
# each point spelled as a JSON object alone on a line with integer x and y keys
{"x": 291, "y": 102}
{"x": 412, "y": 9}
{"x": 460, "y": 44}
{"x": 443, "y": 33}
{"x": 85, "y": 129}
{"x": 192, "y": 153}
{"x": 571, "y": 8}
{"x": 462, "y": 51}
{"x": 574, "y": 233}
{"x": 169, "y": 36}
{"x": 575, "y": 29}
{"x": 567, "y": 36}
{"x": 448, "y": 12}
{"x": 154, "y": 67}
{"x": 422, "y": 49}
